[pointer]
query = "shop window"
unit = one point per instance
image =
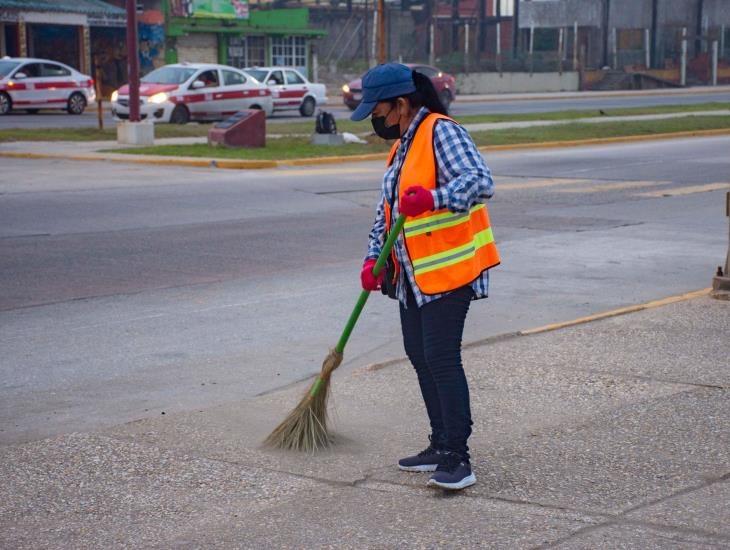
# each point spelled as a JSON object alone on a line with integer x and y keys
{"x": 247, "y": 51}
{"x": 289, "y": 51}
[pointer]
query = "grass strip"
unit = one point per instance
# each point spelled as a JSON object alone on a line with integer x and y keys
{"x": 285, "y": 127}
{"x": 276, "y": 149}
{"x": 289, "y": 148}
{"x": 94, "y": 134}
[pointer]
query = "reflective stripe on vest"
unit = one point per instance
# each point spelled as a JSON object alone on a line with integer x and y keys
{"x": 447, "y": 249}
{"x": 455, "y": 255}
{"x": 438, "y": 221}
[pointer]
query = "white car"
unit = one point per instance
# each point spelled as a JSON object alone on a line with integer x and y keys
{"x": 194, "y": 91}
{"x": 290, "y": 89}
{"x": 31, "y": 84}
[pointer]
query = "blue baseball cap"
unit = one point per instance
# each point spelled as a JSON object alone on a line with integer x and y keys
{"x": 383, "y": 82}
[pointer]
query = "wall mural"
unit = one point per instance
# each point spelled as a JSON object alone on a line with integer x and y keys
{"x": 151, "y": 38}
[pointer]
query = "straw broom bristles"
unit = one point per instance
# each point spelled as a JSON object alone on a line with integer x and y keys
{"x": 305, "y": 429}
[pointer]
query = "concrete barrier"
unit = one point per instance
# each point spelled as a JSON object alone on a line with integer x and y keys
{"x": 493, "y": 83}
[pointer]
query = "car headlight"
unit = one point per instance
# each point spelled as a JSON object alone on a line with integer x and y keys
{"x": 115, "y": 95}
{"x": 158, "y": 98}
{"x": 346, "y": 88}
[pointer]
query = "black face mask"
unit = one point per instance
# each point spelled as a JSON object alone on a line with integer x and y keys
{"x": 385, "y": 132}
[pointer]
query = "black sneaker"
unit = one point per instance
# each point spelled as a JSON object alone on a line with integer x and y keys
{"x": 453, "y": 473}
{"x": 425, "y": 461}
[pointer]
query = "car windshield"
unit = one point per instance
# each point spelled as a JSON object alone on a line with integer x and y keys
{"x": 258, "y": 74}
{"x": 7, "y": 66}
{"x": 169, "y": 75}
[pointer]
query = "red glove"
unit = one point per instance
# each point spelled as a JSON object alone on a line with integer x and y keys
{"x": 415, "y": 201}
{"x": 369, "y": 281}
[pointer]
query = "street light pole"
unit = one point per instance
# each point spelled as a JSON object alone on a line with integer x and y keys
{"x": 381, "y": 31}
{"x": 132, "y": 61}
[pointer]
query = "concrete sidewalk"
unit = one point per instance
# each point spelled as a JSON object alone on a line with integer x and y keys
{"x": 611, "y": 434}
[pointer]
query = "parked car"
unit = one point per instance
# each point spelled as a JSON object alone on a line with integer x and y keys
{"x": 444, "y": 83}
{"x": 290, "y": 89}
{"x": 32, "y": 84}
{"x": 193, "y": 91}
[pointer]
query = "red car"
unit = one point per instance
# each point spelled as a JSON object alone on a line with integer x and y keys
{"x": 444, "y": 83}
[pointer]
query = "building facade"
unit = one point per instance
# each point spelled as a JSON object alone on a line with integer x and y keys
{"x": 64, "y": 30}
{"x": 255, "y": 37}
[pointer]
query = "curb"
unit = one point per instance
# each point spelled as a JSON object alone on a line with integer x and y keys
{"x": 589, "y": 94}
{"x": 232, "y": 164}
{"x": 564, "y": 324}
{"x": 606, "y": 140}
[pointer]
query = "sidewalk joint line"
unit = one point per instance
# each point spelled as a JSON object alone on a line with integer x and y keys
{"x": 621, "y": 518}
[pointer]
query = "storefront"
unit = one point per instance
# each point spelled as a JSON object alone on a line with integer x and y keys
{"x": 56, "y": 29}
{"x": 238, "y": 37}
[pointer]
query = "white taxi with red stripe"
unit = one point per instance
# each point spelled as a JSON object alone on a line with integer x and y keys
{"x": 31, "y": 84}
{"x": 194, "y": 91}
{"x": 290, "y": 89}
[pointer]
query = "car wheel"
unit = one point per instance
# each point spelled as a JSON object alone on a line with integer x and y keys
{"x": 307, "y": 107}
{"x": 6, "y": 104}
{"x": 76, "y": 104}
{"x": 180, "y": 115}
{"x": 32, "y": 111}
{"x": 445, "y": 98}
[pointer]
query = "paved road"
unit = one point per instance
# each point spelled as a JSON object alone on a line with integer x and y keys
{"x": 131, "y": 290}
{"x": 52, "y": 119}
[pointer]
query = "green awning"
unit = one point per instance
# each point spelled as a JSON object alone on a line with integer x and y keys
{"x": 182, "y": 26}
{"x": 87, "y": 7}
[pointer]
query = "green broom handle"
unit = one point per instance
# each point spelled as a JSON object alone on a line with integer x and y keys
{"x": 397, "y": 228}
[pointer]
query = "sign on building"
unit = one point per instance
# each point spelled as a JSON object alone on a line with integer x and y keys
{"x": 219, "y": 9}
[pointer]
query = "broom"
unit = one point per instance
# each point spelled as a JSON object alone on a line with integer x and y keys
{"x": 305, "y": 429}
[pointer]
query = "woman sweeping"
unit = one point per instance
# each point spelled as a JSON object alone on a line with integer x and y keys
{"x": 439, "y": 264}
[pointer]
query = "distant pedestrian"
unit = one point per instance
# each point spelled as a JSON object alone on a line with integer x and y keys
{"x": 437, "y": 178}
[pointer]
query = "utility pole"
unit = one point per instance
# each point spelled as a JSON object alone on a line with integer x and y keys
{"x": 381, "y": 31}
{"x": 654, "y": 20}
{"x": 132, "y": 61}
{"x": 606, "y": 16}
{"x": 454, "y": 25}
{"x": 698, "y": 32}
{"x": 481, "y": 7}
{"x": 516, "y": 29}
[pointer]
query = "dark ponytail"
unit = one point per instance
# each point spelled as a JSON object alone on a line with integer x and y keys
{"x": 425, "y": 95}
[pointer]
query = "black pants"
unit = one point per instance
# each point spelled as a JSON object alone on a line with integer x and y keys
{"x": 432, "y": 338}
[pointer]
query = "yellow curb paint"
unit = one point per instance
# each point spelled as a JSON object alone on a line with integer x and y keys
{"x": 332, "y": 160}
{"x": 600, "y": 141}
{"x": 261, "y": 164}
{"x": 616, "y": 312}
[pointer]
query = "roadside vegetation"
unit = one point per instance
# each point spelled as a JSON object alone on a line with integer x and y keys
{"x": 299, "y": 147}
{"x": 287, "y": 127}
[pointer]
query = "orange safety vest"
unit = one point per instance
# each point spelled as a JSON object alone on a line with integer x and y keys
{"x": 447, "y": 250}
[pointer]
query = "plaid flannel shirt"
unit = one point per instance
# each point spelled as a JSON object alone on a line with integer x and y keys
{"x": 463, "y": 181}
